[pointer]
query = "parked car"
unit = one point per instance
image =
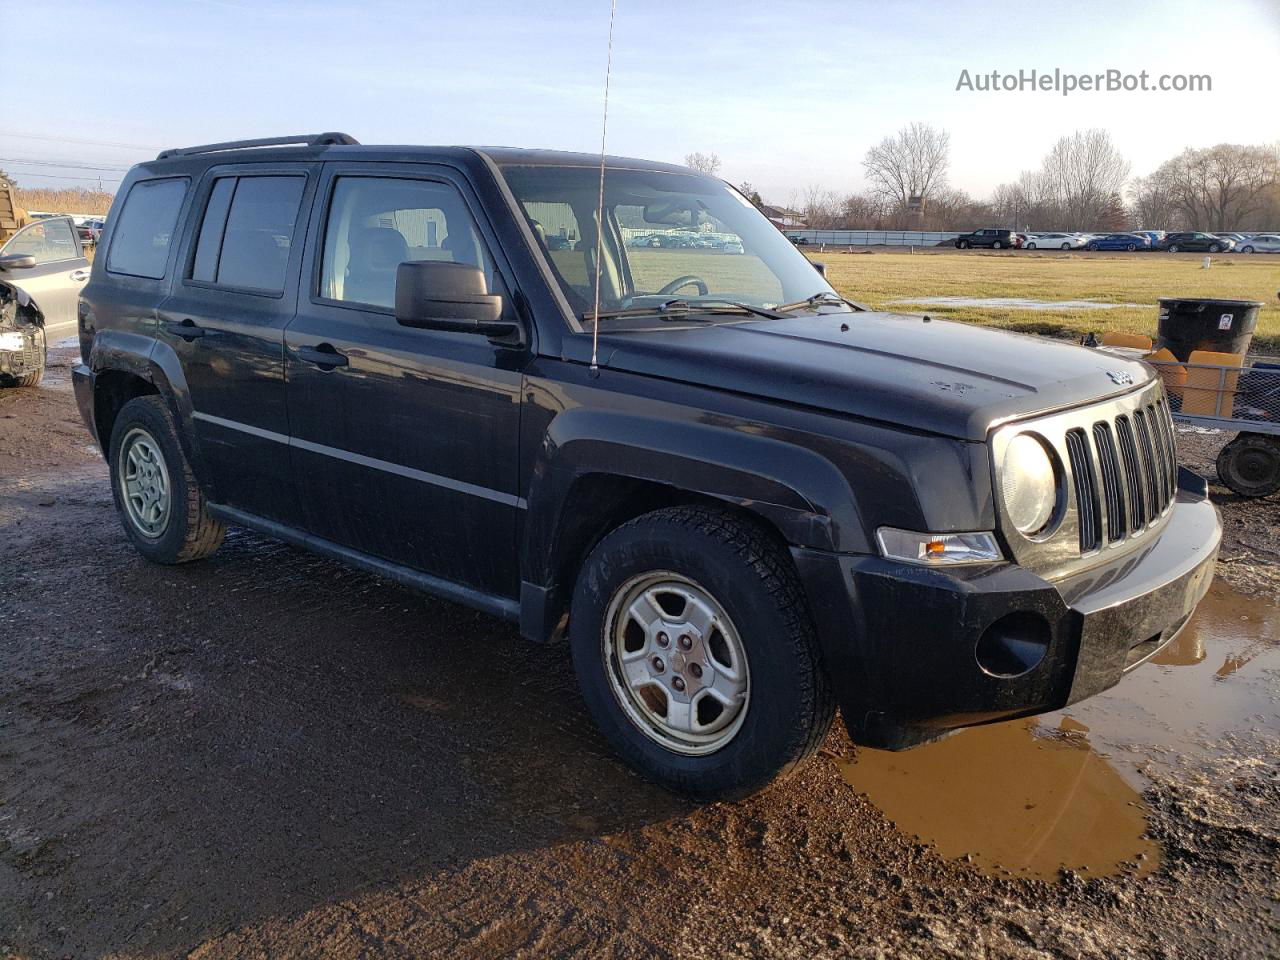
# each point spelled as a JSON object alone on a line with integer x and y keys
{"x": 732, "y": 246}
{"x": 1153, "y": 236}
{"x": 89, "y": 231}
{"x": 758, "y": 507}
{"x": 1056, "y": 241}
{"x": 798, "y": 241}
{"x": 1194, "y": 243}
{"x": 45, "y": 261}
{"x": 1235, "y": 238}
{"x": 993, "y": 238}
{"x": 1261, "y": 243}
{"x": 1119, "y": 241}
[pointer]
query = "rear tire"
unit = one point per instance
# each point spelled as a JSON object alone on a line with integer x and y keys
{"x": 1215, "y": 248}
{"x": 997, "y": 245}
{"x": 641, "y": 595}
{"x": 1250, "y": 465}
{"x": 161, "y": 505}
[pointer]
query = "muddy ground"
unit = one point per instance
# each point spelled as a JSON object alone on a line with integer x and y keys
{"x": 266, "y": 754}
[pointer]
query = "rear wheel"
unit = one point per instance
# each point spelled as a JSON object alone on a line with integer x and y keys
{"x": 1215, "y": 248}
{"x": 695, "y": 653}
{"x": 1250, "y": 465}
{"x": 161, "y": 505}
{"x": 997, "y": 245}
{"x": 1131, "y": 247}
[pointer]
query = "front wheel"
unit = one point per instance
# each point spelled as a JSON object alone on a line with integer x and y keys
{"x": 1250, "y": 465}
{"x": 696, "y": 655}
{"x": 161, "y": 505}
{"x": 1131, "y": 247}
{"x": 1066, "y": 246}
{"x": 962, "y": 244}
{"x": 1031, "y": 246}
{"x": 36, "y": 373}
{"x": 1173, "y": 248}
{"x": 1246, "y": 250}
{"x": 1093, "y": 247}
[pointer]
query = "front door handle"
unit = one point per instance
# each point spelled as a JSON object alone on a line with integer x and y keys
{"x": 187, "y": 329}
{"x": 323, "y": 355}
{"x": 80, "y": 276}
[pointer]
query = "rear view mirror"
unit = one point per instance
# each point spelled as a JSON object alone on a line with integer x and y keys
{"x": 17, "y": 261}
{"x": 437, "y": 295}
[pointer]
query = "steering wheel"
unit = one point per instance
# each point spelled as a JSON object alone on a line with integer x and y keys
{"x": 686, "y": 280}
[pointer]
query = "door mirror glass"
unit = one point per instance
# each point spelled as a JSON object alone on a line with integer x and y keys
{"x": 17, "y": 261}
{"x": 438, "y": 295}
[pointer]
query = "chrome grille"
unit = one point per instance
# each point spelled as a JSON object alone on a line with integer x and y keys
{"x": 1137, "y": 481}
{"x": 1119, "y": 462}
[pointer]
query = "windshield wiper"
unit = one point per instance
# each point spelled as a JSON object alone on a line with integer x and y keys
{"x": 680, "y": 309}
{"x": 817, "y": 300}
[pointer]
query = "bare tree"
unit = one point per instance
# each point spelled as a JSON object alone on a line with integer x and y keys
{"x": 1222, "y": 187}
{"x": 748, "y": 190}
{"x": 708, "y": 163}
{"x": 910, "y": 164}
{"x": 1152, "y": 204}
{"x": 1081, "y": 173}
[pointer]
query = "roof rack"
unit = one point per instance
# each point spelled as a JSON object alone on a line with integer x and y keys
{"x": 306, "y": 139}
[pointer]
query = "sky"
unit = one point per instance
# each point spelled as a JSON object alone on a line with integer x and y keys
{"x": 790, "y": 95}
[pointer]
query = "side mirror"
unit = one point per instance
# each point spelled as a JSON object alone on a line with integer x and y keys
{"x": 437, "y": 295}
{"x": 820, "y": 267}
{"x": 17, "y": 261}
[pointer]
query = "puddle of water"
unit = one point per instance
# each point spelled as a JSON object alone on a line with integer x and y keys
{"x": 1016, "y": 303}
{"x": 1017, "y": 797}
{"x": 1035, "y": 795}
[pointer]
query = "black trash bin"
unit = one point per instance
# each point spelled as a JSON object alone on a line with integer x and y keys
{"x": 1224, "y": 326}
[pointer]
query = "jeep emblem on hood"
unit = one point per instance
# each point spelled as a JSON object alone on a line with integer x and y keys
{"x": 1119, "y": 377}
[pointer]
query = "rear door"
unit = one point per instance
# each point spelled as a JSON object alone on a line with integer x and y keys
{"x": 59, "y": 275}
{"x": 404, "y": 441}
{"x": 235, "y": 294}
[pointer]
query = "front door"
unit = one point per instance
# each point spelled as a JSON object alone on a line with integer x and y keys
{"x": 225, "y": 320}
{"x": 404, "y": 441}
{"x": 59, "y": 275}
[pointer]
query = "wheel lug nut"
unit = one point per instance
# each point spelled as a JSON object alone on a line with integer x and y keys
{"x": 686, "y": 641}
{"x": 658, "y": 665}
{"x": 696, "y": 670}
{"x": 677, "y": 683}
{"x": 663, "y": 639}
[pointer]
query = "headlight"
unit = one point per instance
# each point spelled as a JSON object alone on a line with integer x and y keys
{"x": 1028, "y": 484}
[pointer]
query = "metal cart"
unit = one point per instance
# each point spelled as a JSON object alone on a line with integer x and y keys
{"x": 1244, "y": 398}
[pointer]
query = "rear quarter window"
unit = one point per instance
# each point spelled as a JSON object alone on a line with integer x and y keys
{"x": 145, "y": 227}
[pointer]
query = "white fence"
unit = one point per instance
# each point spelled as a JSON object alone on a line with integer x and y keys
{"x": 874, "y": 238}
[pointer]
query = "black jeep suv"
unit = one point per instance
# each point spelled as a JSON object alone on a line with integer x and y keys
{"x": 746, "y": 499}
{"x": 990, "y": 237}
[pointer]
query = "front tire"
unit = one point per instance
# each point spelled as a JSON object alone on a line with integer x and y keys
{"x": 962, "y": 244}
{"x": 1250, "y": 465}
{"x": 1066, "y": 246}
{"x": 696, "y": 654}
{"x": 1246, "y": 249}
{"x": 1173, "y": 248}
{"x": 1031, "y": 246}
{"x": 32, "y": 377}
{"x": 1093, "y": 247}
{"x": 163, "y": 510}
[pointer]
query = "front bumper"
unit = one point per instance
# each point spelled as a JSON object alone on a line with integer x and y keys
{"x": 901, "y": 642}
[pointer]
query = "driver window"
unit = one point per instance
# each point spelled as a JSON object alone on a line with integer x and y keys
{"x": 377, "y": 223}
{"x": 49, "y": 241}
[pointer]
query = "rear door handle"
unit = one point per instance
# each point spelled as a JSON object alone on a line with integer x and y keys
{"x": 323, "y": 355}
{"x": 79, "y": 275}
{"x": 187, "y": 329}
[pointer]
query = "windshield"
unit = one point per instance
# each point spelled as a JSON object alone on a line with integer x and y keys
{"x": 670, "y": 239}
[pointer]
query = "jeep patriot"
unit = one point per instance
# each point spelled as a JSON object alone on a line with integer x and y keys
{"x": 750, "y": 501}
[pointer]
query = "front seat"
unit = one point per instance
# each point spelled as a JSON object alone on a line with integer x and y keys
{"x": 376, "y": 252}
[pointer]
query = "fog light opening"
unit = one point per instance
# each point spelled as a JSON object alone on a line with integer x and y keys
{"x": 1013, "y": 645}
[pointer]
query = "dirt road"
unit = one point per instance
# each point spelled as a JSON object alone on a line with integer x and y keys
{"x": 266, "y": 754}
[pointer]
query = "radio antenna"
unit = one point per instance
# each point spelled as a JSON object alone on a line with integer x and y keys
{"x": 604, "y": 132}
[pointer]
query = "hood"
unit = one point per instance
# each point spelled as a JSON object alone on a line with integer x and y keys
{"x": 947, "y": 378}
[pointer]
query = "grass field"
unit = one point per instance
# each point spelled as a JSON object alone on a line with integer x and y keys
{"x": 879, "y": 278}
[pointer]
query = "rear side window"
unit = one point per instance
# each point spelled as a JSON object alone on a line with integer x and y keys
{"x": 247, "y": 232}
{"x": 145, "y": 226}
